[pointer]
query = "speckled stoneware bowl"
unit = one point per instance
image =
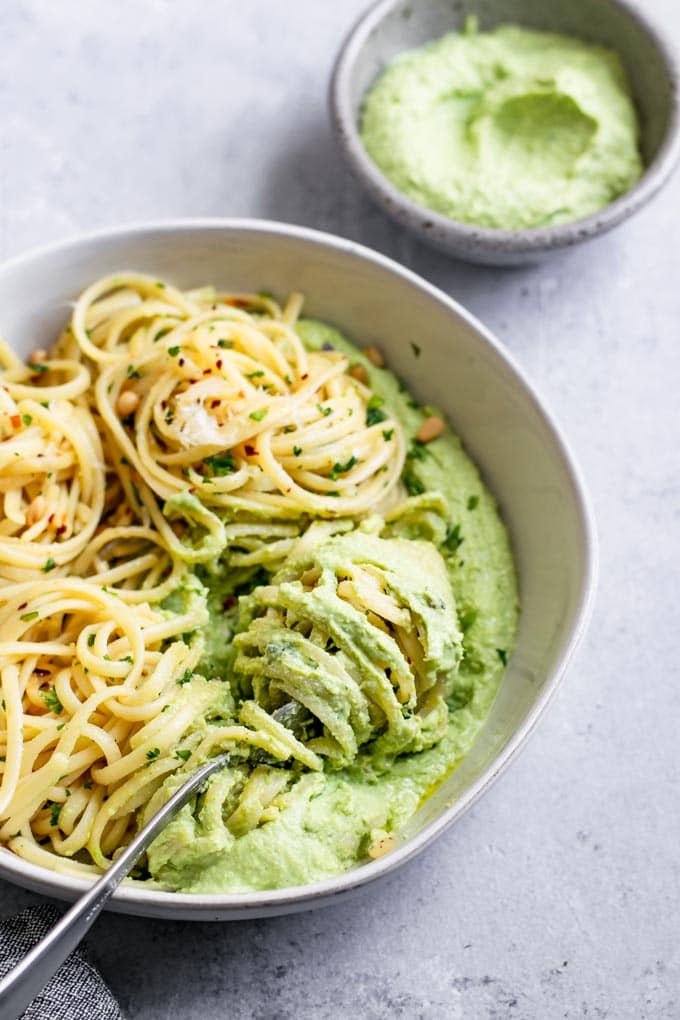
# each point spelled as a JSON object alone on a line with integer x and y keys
{"x": 463, "y": 370}
{"x": 392, "y": 26}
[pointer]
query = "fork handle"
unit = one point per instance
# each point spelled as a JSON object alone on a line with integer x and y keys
{"x": 29, "y": 977}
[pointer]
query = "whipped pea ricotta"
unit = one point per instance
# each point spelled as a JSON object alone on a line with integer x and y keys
{"x": 450, "y": 565}
{"x": 511, "y": 128}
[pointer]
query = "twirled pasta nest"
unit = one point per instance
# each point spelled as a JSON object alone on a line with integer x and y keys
{"x": 216, "y": 395}
{"x": 350, "y": 630}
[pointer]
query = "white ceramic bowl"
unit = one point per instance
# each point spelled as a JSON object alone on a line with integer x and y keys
{"x": 464, "y": 370}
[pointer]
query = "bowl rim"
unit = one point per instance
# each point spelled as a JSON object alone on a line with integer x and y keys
{"x": 521, "y": 240}
{"x": 218, "y": 906}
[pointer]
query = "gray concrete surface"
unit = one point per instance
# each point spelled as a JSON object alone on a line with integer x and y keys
{"x": 557, "y": 895}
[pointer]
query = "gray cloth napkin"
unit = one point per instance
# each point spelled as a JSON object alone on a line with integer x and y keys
{"x": 76, "y": 992}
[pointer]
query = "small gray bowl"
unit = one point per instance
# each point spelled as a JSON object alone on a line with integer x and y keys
{"x": 393, "y": 26}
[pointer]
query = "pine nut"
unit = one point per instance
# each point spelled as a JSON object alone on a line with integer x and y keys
{"x": 359, "y": 373}
{"x": 430, "y": 429}
{"x": 374, "y": 356}
{"x": 38, "y": 357}
{"x": 128, "y": 402}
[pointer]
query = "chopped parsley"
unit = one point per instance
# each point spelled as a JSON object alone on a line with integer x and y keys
{"x": 173, "y": 351}
{"x": 387, "y": 434}
{"x": 55, "y": 810}
{"x": 255, "y": 375}
{"x": 412, "y": 483}
{"x": 374, "y": 415}
{"x": 27, "y": 419}
{"x": 473, "y": 502}
{"x": 297, "y": 450}
{"x": 153, "y": 753}
{"x": 37, "y": 366}
{"x": 186, "y": 677}
{"x": 342, "y": 469}
{"x": 224, "y": 344}
{"x": 51, "y": 699}
{"x": 48, "y": 565}
{"x": 220, "y": 463}
{"x": 418, "y": 450}
{"x": 90, "y": 640}
{"x": 30, "y": 616}
{"x": 259, "y": 415}
{"x": 132, "y": 372}
{"x": 183, "y": 754}
{"x": 453, "y": 538}
{"x": 502, "y": 655}
{"x": 325, "y": 411}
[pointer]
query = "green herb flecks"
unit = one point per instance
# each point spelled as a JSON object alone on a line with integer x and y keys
{"x": 220, "y": 464}
{"x": 374, "y": 414}
{"x": 342, "y": 469}
{"x": 51, "y": 699}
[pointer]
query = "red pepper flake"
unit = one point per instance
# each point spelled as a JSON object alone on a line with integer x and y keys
{"x": 40, "y": 672}
{"x": 15, "y": 421}
{"x": 305, "y": 376}
{"x": 180, "y": 362}
{"x": 219, "y": 363}
{"x": 23, "y": 605}
{"x": 229, "y": 603}
{"x": 250, "y": 450}
{"x": 61, "y": 529}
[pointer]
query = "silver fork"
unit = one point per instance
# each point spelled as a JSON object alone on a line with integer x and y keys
{"x": 29, "y": 977}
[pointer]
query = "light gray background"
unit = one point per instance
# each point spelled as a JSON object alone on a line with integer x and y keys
{"x": 557, "y": 895}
